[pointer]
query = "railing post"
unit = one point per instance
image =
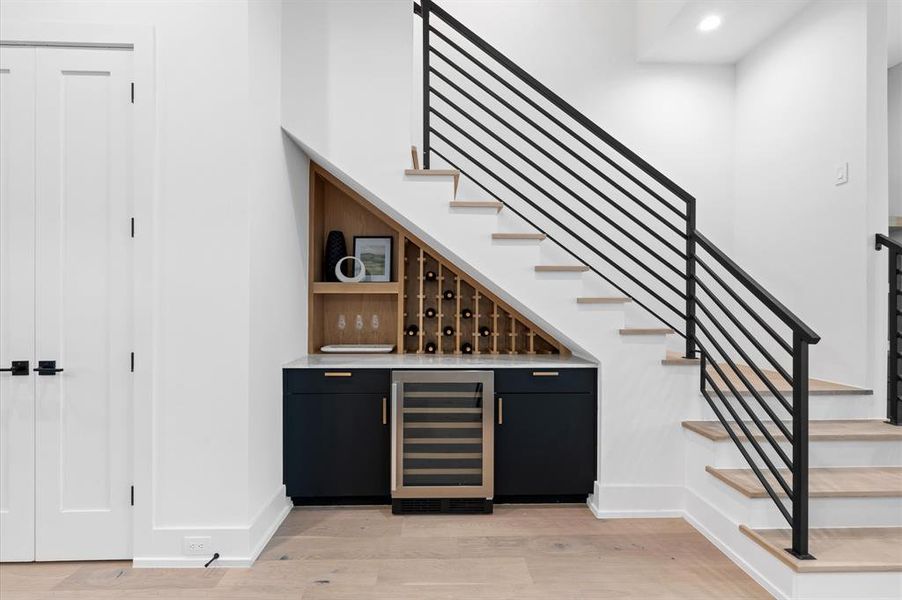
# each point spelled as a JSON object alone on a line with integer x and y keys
{"x": 426, "y": 7}
{"x": 893, "y": 411}
{"x": 799, "y": 447}
{"x": 690, "y": 278}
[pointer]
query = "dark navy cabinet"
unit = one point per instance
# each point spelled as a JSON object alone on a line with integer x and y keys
{"x": 337, "y": 438}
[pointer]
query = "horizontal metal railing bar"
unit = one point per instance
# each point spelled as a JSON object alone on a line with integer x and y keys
{"x": 754, "y": 340}
{"x": 576, "y": 196}
{"x": 558, "y": 122}
{"x": 561, "y": 145}
{"x": 561, "y": 104}
{"x": 562, "y": 166}
{"x": 761, "y": 427}
{"x": 745, "y": 454}
{"x": 594, "y": 229}
{"x": 748, "y": 386}
{"x": 787, "y": 316}
{"x": 751, "y": 364}
{"x": 735, "y": 295}
{"x": 516, "y": 192}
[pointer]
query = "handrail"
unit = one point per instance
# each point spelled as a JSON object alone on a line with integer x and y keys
{"x": 729, "y": 370}
{"x": 766, "y": 298}
{"x": 882, "y": 241}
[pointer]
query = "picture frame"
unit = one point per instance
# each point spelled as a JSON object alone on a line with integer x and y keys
{"x": 376, "y": 253}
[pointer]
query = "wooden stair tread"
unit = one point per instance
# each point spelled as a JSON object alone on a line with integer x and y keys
{"x": 646, "y": 331}
{"x": 435, "y": 173}
{"x": 895, "y": 222}
{"x": 561, "y": 268}
{"x": 823, "y": 482}
{"x": 840, "y": 550}
{"x": 603, "y": 300}
{"x": 675, "y": 358}
{"x": 477, "y": 204}
{"x": 518, "y": 236}
{"x": 815, "y": 386}
{"x": 849, "y": 430}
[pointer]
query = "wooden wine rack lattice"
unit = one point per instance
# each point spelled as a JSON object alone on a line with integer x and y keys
{"x": 509, "y": 333}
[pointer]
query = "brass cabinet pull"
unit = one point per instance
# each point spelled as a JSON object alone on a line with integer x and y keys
{"x": 501, "y": 411}
{"x": 545, "y": 373}
{"x": 337, "y": 374}
{"x": 384, "y": 411}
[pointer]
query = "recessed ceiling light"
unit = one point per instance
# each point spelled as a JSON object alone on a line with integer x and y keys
{"x": 709, "y": 23}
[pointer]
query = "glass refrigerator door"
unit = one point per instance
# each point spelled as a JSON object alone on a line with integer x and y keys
{"x": 443, "y": 425}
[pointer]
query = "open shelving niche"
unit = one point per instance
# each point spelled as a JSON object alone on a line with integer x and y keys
{"x": 403, "y": 301}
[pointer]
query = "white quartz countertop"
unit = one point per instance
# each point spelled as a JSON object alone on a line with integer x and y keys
{"x": 437, "y": 361}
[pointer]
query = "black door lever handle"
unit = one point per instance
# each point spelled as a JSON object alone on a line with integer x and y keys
{"x": 17, "y": 367}
{"x": 47, "y": 367}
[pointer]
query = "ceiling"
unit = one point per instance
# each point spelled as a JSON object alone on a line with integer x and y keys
{"x": 667, "y": 29}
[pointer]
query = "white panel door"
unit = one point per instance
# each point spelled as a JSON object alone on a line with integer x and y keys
{"x": 17, "y": 100}
{"x": 83, "y": 304}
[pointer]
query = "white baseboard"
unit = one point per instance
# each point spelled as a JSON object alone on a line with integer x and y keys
{"x": 238, "y": 546}
{"x": 636, "y": 501}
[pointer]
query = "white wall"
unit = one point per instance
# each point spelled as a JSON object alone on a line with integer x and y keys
{"x": 895, "y": 140}
{"x": 277, "y": 221}
{"x": 676, "y": 117}
{"x": 801, "y": 109}
{"x": 215, "y": 188}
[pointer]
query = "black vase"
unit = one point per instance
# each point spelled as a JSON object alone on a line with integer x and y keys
{"x": 336, "y": 249}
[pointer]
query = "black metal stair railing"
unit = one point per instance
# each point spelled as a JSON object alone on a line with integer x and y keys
{"x": 894, "y": 327}
{"x": 612, "y": 211}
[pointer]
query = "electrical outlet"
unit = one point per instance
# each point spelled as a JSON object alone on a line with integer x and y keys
{"x": 196, "y": 545}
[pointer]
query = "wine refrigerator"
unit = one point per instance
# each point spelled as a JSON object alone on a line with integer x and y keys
{"x": 442, "y": 441}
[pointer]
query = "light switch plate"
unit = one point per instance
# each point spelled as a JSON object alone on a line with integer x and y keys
{"x": 842, "y": 173}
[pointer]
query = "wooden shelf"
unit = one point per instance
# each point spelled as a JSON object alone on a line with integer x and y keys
{"x": 323, "y": 287}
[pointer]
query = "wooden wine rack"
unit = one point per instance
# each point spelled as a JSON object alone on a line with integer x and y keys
{"x": 401, "y": 302}
{"x": 509, "y": 333}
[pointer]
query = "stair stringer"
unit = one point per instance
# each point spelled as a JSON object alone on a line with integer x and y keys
{"x": 641, "y": 450}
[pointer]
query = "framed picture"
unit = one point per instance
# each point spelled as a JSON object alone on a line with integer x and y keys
{"x": 375, "y": 252}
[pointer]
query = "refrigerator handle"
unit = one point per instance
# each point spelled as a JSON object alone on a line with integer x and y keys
{"x": 394, "y": 437}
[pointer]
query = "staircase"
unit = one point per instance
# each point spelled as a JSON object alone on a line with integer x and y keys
{"x": 791, "y": 476}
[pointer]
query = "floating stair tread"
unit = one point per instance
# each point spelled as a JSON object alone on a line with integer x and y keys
{"x": 561, "y": 268}
{"x": 815, "y": 386}
{"x": 435, "y": 173}
{"x": 823, "y": 482}
{"x": 895, "y": 222}
{"x": 841, "y": 550}
{"x": 603, "y": 300}
{"x": 675, "y": 358}
{"x": 646, "y": 331}
{"x": 518, "y": 236}
{"x": 851, "y": 430}
{"x": 477, "y": 204}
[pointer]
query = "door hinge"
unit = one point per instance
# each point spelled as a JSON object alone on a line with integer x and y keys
{"x": 133, "y": 495}
{"x": 133, "y": 92}
{"x": 133, "y": 227}
{"x": 133, "y": 362}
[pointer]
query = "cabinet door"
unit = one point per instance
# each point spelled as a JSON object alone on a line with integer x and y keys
{"x": 544, "y": 444}
{"x": 336, "y": 445}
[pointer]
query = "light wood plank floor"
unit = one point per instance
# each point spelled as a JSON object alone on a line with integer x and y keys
{"x": 520, "y": 552}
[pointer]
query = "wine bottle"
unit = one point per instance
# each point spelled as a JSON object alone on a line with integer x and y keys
{"x": 448, "y": 330}
{"x": 466, "y": 348}
{"x": 466, "y": 313}
{"x": 430, "y": 313}
{"x": 430, "y": 276}
{"x": 412, "y": 330}
{"x": 448, "y": 295}
{"x": 485, "y": 331}
{"x": 430, "y": 348}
